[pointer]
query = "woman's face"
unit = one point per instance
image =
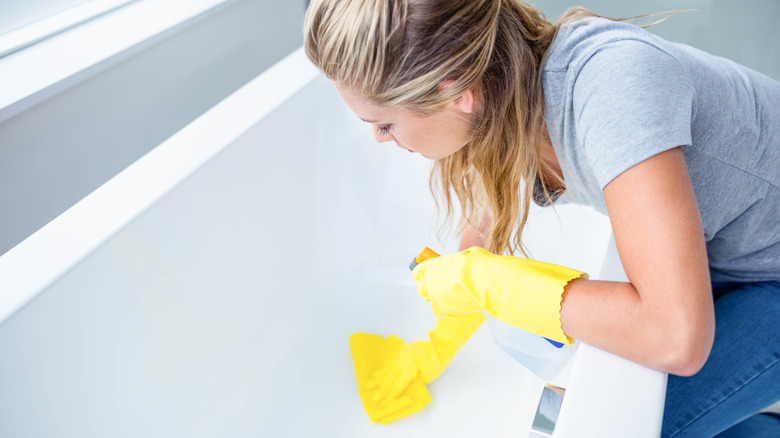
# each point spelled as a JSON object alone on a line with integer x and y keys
{"x": 434, "y": 137}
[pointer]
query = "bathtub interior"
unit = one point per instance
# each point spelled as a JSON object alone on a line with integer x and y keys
{"x": 225, "y": 308}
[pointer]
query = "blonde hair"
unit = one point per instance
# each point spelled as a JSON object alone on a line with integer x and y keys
{"x": 399, "y": 52}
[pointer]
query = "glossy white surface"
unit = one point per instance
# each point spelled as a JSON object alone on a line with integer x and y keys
{"x": 209, "y": 290}
{"x": 140, "y": 85}
{"x": 44, "y": 257}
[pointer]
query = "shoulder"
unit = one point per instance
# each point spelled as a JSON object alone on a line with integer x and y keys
{"x": 602, "y": 41}
{"x": 621, "y": 94}
{"x": 607, "y": 63}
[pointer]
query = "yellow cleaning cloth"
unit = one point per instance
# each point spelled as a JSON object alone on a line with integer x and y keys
{"x": 371, "y": 353}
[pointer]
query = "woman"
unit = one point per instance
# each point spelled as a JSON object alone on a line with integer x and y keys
{"x": 680, "y": 148}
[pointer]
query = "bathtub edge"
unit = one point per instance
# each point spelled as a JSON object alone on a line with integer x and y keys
{"x": 41, "y": 259}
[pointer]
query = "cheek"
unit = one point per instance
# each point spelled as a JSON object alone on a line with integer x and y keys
{"x": 408, "y": 136}
{"x": 462, "y": 131}
{"x": 449, "y": 134}
{"x": 442, "y": 133}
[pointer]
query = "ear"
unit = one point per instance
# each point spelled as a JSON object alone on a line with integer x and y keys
{"x": 465, "y": 102}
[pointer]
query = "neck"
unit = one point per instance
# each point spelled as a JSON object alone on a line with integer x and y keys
{"x": 548, "y": 156}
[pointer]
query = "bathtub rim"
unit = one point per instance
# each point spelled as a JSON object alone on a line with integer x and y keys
{"x": 42, "y": 258}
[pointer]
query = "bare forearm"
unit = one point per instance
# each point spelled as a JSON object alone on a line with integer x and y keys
{"x": 613, "y": 317}
{"x": 665, "y": 317}
{"x": 607, "y": 315}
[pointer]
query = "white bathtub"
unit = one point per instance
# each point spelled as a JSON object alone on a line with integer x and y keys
{"x": 209, "y": 290}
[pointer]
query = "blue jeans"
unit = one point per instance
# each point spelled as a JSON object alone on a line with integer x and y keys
{"x": 741, "y": 376}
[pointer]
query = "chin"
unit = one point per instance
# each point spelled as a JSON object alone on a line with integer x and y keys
{"x": 435, "y": 156}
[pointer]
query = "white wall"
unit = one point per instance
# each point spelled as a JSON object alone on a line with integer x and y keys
{"x": 58, "y": 151}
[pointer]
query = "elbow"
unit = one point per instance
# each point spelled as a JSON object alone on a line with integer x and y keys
{"x": 685, "y": 333}
{"x": 688, "y": 354}
{"x": 686, "y": 365}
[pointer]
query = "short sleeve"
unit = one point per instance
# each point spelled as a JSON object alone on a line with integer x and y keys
{"x": 631, "y": 101}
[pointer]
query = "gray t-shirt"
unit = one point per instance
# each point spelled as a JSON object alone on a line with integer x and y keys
{"x": 616, "y": 95}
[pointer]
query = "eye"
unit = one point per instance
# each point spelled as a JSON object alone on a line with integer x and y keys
{"x": 383, "y": 130}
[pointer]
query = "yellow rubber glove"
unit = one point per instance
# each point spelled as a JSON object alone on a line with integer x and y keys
{"x": 392, "y": 376}
{"x": 524, "y": 293}
{"x": 371, "y": 353}
{"x": 425, "y": 360}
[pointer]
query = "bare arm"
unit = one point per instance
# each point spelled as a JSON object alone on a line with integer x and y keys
{"x": 664, "y": 317}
